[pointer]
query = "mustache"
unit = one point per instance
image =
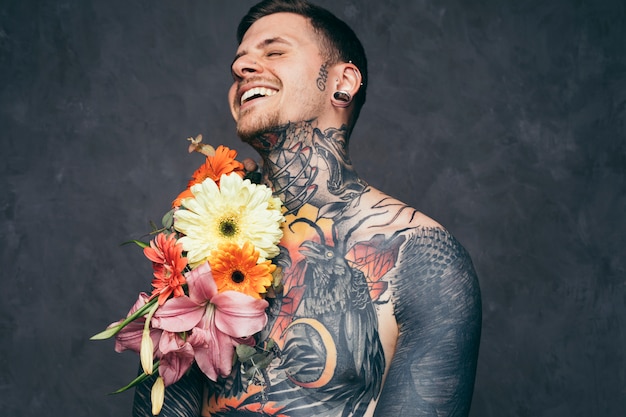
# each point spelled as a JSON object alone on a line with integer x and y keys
{"x": 270, "y": 81}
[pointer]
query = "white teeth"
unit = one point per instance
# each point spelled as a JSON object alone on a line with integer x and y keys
{"x": 257, "y": 91}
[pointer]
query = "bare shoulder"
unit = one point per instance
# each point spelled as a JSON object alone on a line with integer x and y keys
{"x": 380, "y": 213}
{"x": 426, "y": 222}
{"x": 423, "y": 253}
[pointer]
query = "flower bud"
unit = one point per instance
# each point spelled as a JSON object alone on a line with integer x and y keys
{"x": 146, "y": 352}
{"x": 157, "y": 396}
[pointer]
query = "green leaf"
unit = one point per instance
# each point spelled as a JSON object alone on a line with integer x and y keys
{"x": 245, "y": 352}
{"x": 110, "y": 332}
{"x": 168, "y": 219}
{"x": 251, "y": 372}
{"x": 262, "y": 360}
{"x": 153, "y": 226}
{"x": 137, "y": 242}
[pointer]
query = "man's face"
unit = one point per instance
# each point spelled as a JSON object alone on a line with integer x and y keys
{"x": 279, "y": 75}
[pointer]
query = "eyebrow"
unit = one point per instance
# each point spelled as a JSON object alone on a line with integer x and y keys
{"x": 263, "y": 44}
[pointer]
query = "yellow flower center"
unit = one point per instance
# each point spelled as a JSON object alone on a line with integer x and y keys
{"x": 228, "y": 226}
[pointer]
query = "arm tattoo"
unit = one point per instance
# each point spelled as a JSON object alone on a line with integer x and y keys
{"x": 438, "y": 311}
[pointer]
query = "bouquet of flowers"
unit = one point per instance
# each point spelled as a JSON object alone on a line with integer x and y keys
{"x": 213, "y": 269}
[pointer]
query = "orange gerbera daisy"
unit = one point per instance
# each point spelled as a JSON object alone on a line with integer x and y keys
{"x": 223, "y": 162}
{"x": 235, "y": 268}
{"x": 168, "y": 264}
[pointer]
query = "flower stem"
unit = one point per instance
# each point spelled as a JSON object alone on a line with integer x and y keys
{"x": 112, "y": 331}
{"x": 142, "y": 377}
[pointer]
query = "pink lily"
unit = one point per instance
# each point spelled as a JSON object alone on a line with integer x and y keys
{"x": 218, "y": 321}
{"x": 176, "y": 355}
{"x": 129, "y": 338}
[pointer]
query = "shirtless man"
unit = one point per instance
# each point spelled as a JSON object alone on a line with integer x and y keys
{"x": 380, "y": 314}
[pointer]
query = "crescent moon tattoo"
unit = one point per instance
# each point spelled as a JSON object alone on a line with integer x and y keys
{"x": 331, "y": 353}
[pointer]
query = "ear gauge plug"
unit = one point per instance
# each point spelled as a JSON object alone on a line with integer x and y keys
{"x": 342, "y": 96}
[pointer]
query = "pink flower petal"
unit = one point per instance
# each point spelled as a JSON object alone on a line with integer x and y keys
{"x": 177, "y": 358}
{"x": 129, "y": 338}
{"x": 238, "y": 314}
{"x": 214, "y": 352}
{"x": 201, "y": 284}
{"x": 178, "y": 315}
{"x": 205, "y": 353}
{"x": 170, "y": 342}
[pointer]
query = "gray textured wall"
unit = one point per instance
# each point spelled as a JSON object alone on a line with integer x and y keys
{"x": 504, "y": 120}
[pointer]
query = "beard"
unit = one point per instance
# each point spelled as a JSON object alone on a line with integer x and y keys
{"x": 263, "y": 129}
{"x": 251, "y": 127}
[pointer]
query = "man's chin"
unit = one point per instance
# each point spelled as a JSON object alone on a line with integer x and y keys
{"x": 252, "y": 133}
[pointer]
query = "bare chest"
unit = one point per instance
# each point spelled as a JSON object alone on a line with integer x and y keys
{"x": 335, "y": 336}
{"x": 333, "y": 322}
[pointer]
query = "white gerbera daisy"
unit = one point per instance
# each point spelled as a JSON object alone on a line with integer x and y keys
{"x": 237, "y": 211}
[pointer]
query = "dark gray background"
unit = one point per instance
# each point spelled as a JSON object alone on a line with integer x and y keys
{"x": 504, "y": 120}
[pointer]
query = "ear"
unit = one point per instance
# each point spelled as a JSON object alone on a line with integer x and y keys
{"x": 347, "y": 79}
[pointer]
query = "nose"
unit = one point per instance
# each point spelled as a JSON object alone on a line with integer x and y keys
{"x": 245, "y": 65}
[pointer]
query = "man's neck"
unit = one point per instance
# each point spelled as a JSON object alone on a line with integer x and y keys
{"x": 304, "y": 164}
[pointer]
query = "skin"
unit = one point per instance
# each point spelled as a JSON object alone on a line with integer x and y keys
{"x": 260, "y": 62}
{"x": 380, "y": 315}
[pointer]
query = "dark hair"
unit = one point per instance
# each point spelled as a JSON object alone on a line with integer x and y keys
{"x": 338, "y": 42}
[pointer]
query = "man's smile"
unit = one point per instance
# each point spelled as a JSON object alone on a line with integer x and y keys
{"x": 256, "y": 92}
